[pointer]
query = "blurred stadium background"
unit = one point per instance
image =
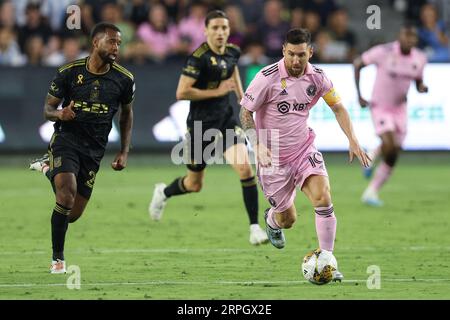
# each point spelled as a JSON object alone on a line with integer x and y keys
{"x": 200, "y": 249}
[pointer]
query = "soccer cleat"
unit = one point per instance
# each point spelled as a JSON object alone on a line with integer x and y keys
{"x": 276, "y": 236}
{"x": 257, "y": 235}
{"x": 337, "y": 276}
{"x": 58, "y": 267}
{"x": 159, "y": 200}
{"x": 40, "y": 163}
{"x": 370, "y": 198}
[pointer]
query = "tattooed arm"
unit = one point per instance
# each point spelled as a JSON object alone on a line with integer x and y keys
{"x": 263, "y": 155}
{"x": 248, "y": 124}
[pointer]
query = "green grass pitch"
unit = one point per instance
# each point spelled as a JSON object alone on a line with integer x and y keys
{"x": 200, "y": 249}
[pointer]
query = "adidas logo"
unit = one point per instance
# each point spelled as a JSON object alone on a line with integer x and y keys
{"x": 283, "y": 93}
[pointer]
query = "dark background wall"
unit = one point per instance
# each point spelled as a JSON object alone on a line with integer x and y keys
{"x": 23, "y": 91}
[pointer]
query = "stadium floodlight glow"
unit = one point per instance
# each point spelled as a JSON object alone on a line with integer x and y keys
{"x": 2, "y": 135}
{"x": 173, "y": 127}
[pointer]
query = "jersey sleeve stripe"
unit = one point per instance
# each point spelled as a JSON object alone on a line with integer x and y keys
{"x": 201, "y": 50}
{"x": 123, "y": 70}
{"x": 75, "y": 64}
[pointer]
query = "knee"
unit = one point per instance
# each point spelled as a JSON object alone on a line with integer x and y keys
{"x": 245, "y": 171}
{"x": 322, "y": 198}
{"x": 65, "y": 196}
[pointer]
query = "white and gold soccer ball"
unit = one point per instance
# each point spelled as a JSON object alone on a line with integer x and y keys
{"x": 319, "y": 266}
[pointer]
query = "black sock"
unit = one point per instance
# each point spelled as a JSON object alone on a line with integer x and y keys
{"x": 60, "y": 221}
{"x": 47, "y": 174}
{"x": 250, "y": 192}
{"x": 175, "y": 188}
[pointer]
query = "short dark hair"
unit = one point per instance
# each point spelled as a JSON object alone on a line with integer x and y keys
{"x": 298, "y": 36}
{"x": 102, "y": 27}
{"x": 214, "y": 15}
{"x": 409, "y": 25}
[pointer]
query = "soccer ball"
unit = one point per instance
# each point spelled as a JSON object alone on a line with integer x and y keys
{"x": 318, "y": 266}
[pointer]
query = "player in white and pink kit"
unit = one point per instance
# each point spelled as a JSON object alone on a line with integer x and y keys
{"x": 398, "y": 63}
{"x": 281, "y": 96}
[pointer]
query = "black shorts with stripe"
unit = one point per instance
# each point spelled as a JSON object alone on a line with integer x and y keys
{"x": 66, "y": 158}
{"x": 212, "y": 139}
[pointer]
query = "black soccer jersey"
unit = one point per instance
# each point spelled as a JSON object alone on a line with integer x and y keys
{"x": 209, "y": 69}
{"x": 97, "y": 98}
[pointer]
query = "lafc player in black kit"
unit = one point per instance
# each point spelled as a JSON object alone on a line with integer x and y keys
{"x": 208, "y": 77}
{"x": 91, "y": 90}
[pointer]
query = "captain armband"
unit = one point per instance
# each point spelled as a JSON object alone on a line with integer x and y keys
{"x": 332, "y": 97}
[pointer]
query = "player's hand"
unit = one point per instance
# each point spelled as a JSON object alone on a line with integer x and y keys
{"x": 356, "y": 150}
{"x": 422, "y": 88}
{"x": 120, "y": 161}
{"x": 363, "y": 102}
{"x": 225, "y": 87}
{"x": 263, "y": 155}
{"x": 67, "y": 113}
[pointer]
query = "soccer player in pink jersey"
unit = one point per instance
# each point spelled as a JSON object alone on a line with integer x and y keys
{"x": 398, "y": 63}
{"x": 281, "y": 96}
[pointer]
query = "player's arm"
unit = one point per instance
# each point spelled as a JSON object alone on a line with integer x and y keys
{"x": 125, "y": 124}
{"x": 254, "y": 99}
{"x": 263, "y": 154}
{"x": 57, "y": 91}
{"x": 238, "y": 84}
{"x": 358, "y": 64}
{"x": 420, "y": 86}
{"x": 186, "y": 90}
{"x": 52, "y": 113}
{"x": 343, "y": 118}
{"x": 248, "y": 124}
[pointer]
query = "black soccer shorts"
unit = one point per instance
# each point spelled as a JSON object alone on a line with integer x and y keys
{"x": 65, "y": 158}
{"x": 226, "y": 134}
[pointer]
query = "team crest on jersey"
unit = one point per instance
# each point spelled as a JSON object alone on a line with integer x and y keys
{"x": 54, "y": 87}
{"x": 311, "y": 90}
{"x": 213, "y": 61}
{"x": 95, "y": 93}
{"x": 57, "y": 162}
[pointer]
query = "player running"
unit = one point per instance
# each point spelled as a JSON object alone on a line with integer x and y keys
{"x": 208, "y": 77}
{"x": 281, "y": 96}
{"x": 398, "y": 63}
{"x": 91, "y": 91}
